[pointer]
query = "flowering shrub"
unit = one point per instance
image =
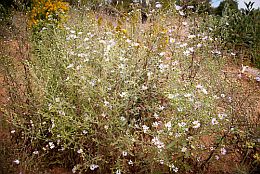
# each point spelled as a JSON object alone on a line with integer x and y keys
{"x": 122, "y": 98}
{"x": 45, "y": 12}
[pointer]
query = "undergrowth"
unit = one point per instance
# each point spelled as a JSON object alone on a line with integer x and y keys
{"x": 117, "y": 96}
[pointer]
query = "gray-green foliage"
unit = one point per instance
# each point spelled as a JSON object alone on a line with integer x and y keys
{"x": 122, "y": 99}
{"x": 111, "y": 96}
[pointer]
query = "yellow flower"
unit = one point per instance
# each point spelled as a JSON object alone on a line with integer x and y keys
{"x": 124, "y": 31}
{"x": 42, "y": 9}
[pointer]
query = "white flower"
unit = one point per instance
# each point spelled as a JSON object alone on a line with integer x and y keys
{"x": 86, "y": 39}
{"x": 172, "y": 40}
{"x": 181, "y": 13}
{"x": 122, "y": 118}
{"x": 70, "y": 65}
{"x": 102, "y": 42}
{"x": 145, "y": 128}
{"x": 57, "y": 99}
{"x": 190, "y": 7}
{"x": 16, "y": 161}
{"x": 103, "y": 115}
{"x": 74, "y": 169}
{"x": 191, "y": 36}
{"x": 93, "y": 166}
{"x": 118, "y": 171}
{"x": 229, "y": 99}
{"x": 222, "y": 95}
{"x": 204, "y": 91}
{"x": 196, "y": 124}
{"x": 161, "y": 108}
{"x": 199, "y": 86}
{"x": 177, "y": 135}
{"x": 187, "y": 95}
{"x": 216, "y": 52}
{"x": 174, "y": 168}
{"x": 171, "y": 96}
{"x": 156, "y": 116}
{"x": 72, "y": 31}
{"x": 90, "y": 34}
{"x": 36, "y": 152}
{"x": 13, "y": 131}
{"x": 183, "y": 45}
{"x": 149, "y": 74}
{"x": 61, "y": 113}
{"x": 155, "y": 124}
{"x": 183, "y": 149}
{"x": 144, "y": 87}
{"x": 123, "y": 94}
{"x": 199, "y": 45}
{"x": 135, "y": 44}
{"x": 71, "y": 36}
{"x": 182, "y": 124}
{"x": 179, "y": 109}
{"x": 82, "y": 55}
{"x": 51, "y": 144}
{"x": 216, "y": 157}
{"x": 158, "y": 5}
{"x": 233, "y": 54}
{"x": 130, "y": 162}
{"x": 162, "y": 67}
{"x": 161, "y": 161}
{"x": 214, "y": 121}
{"x": 80, "y": 32}
{"x": 168, "y": 125}
{"x": 190, "y": 138}
{"x": 162, "y": 53}
{"x": 186, "y": 53}
{"x": 106, "y": 103}
{"x": 191, "y": 49}
{"x": 184, "y": 23}
{"x": 128, "y": 40}
{"x": 157, "y": 143}
{"x": 177, "y": 7}
{"x": 223, "y": 151}
{"x": 124, "y": 153}
{"x": 84, "y": 132}
{"x": 80, "y": 151}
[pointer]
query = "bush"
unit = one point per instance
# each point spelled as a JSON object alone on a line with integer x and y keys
{"x": 239, "y": 30}
{"x": 121, "y": 98}
{"x": 47, "y": 12}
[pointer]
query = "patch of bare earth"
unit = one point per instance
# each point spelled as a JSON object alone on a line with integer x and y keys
{"x": 247, "y": 100}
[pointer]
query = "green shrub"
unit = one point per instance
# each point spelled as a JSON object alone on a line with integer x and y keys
{"x": 239, "y": 30}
